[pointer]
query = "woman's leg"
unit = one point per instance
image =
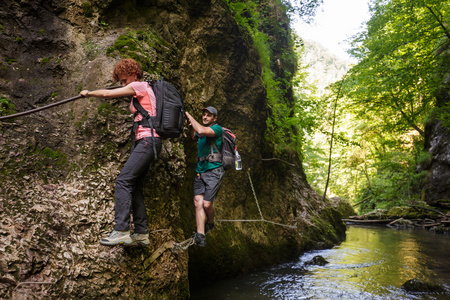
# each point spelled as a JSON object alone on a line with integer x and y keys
{"x": 138, "y": 201}
{"x": 130, "y": 179}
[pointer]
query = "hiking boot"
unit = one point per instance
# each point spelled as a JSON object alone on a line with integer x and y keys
{"x": 140, "y": 239}
{"x": 199, "y": 239}
{"x": 117, "y": 238}
{"x": 208, "y": 227}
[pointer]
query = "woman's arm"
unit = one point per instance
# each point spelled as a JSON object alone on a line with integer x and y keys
{"x": 115, "y": 93}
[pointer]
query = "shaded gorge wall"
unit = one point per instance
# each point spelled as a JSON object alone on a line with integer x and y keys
{"x": 58, "y": 166}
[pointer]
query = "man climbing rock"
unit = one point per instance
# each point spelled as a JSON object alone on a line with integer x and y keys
{"x": 209, "y": 170}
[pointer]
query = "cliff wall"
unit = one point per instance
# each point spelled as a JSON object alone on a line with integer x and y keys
{"x": 437, "y": 140}
{"x": 58, "y": 166}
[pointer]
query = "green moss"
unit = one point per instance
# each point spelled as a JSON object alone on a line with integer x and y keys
{"x": 407, "y": 212}
{"x": 108, "y": 149}
{"x": 87, "y": 9}
{"x": 54, "y": 94}
{"x": 79, "y": 88}
{"x": 145, "y": 47}
{"x": 261, "y": 23}
{"x": 45, "y": 60}
{"x": 104, "y": 109}
{"x": 10, "y": 60}
{"x": 42, "y": 31}
{"x": 19, "y": 39}
{"x": 58, "y": 157}
{"x": 6, "y": 107}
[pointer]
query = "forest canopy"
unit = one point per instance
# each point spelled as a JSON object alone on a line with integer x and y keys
{"x": 380, "y": 107}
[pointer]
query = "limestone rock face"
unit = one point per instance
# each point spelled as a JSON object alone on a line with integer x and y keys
{"x": 438, "y": 191}
{"x": 437, "y": 141}
{"x": 58, "y": 166}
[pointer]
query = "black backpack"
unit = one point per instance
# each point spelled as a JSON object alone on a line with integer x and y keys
{"x": 228, "y": 154}
{"x": 169, "y": 118}
{"x": 228, "y": 149}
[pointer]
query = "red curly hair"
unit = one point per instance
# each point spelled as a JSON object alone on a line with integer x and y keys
{"x": 127, "y": 66}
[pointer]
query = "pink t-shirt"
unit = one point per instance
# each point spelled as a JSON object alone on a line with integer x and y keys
{"x": 146, "y": 98}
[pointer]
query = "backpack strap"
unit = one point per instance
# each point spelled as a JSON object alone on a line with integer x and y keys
{"x": 212, "y": 157}
{"x": 145, "y": 122}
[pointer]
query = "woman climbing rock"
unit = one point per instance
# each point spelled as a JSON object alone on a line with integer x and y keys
{"x": 129, "y": 184}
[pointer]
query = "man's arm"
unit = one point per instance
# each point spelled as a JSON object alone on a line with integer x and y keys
{"x": 200, "y": 129}
{"x": 192, "y": 133}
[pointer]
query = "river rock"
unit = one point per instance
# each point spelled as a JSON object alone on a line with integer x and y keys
{"x": 420, "y": 286}
{"x": 317, "y": 260}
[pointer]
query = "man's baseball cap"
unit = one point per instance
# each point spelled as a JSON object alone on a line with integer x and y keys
{"x": 211, "y": 110}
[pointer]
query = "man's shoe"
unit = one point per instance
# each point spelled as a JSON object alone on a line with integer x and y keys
{"x": 208, "y": 227}
{"x": 117, "y": 238}
{"x": 140, "y": 239}
{"x": 200, "y": 239}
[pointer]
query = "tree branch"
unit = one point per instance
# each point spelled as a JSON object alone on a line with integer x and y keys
{"x": 447, "y": 33}
{"x": 410, "y": 122}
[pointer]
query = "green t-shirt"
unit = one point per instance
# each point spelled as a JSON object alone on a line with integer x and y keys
{"x": 204, "y": 148}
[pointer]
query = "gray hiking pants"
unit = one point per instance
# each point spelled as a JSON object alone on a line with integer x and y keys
{"x": 130, "y": 184}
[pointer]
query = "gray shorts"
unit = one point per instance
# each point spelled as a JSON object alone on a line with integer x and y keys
{"x": 208, "y": 183}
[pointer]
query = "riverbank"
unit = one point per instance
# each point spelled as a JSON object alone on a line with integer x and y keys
{"x": 406, "y": 216}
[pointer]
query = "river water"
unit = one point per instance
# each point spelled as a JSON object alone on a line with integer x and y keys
{"x": 372, "y": 263}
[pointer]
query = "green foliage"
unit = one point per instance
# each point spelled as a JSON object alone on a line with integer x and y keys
{"x": 443, "y": 114}
{"x": 103, "y": 25}
{"x": 424, "y": 158}
{"x": 6, "y": 107}
{"x": 399, "y": 72}
{"x": 306, "y": 9}
{"x": 259, "y": 19}
{"x": 387, "y": 98}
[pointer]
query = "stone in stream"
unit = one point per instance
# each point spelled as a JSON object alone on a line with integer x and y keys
{"x": 420, "y": 286}
{"x": 317, "y": 260}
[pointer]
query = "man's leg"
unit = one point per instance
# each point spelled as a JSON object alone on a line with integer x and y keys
{"x": 210, "y": 211}
{"x": 200, "y": 214}
{"x": 213, "y": 182}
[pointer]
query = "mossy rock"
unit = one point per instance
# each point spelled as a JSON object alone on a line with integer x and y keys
{"x": 407, "y": 212}
{"x": 342, "y": 206}
{"x": 317, "y": 260}
{"x": 420, "y": 286}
